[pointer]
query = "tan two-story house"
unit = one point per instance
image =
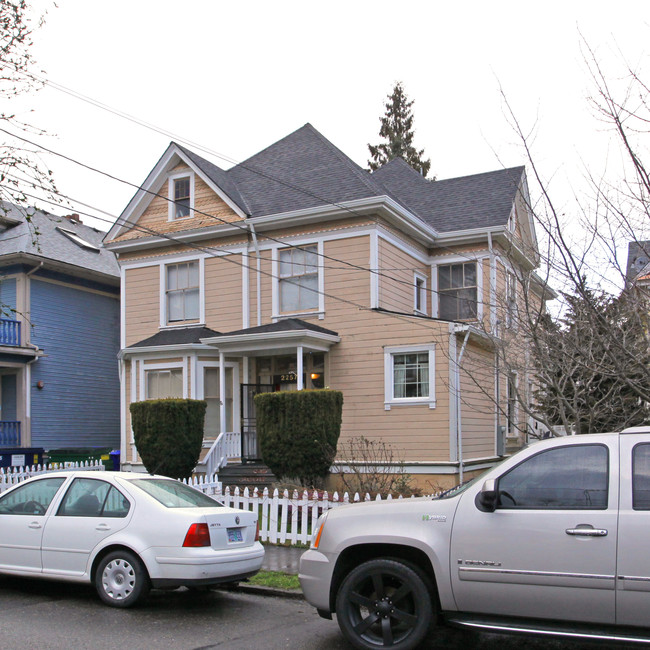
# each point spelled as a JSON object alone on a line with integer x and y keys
{"x": 297, "y": 269}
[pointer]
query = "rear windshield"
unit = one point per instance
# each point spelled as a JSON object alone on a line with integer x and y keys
{"x": 173, "y": 494}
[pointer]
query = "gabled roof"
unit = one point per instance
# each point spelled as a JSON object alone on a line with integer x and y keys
{"x": 284, "y": 325}
{"x": 638, "y": 261}
{"x": 60, "y": 240}
{"x": 305, "y": 171}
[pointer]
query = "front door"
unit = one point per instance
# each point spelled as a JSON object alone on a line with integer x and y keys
{"x": 249, "y": 446}
{"x": 549, "y": 549}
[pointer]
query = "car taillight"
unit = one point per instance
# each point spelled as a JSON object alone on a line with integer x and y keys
{"x": 197, "y": 535}
{"x": 257, "y": 532}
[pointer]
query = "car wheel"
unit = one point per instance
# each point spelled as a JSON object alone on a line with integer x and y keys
{"x": 121, "y": 579}
{"x": 384, "y": 604}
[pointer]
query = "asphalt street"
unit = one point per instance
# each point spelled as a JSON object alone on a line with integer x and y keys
{"x": 59, "y": 616}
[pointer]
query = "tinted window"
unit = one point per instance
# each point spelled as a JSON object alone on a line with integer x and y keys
{"x": 641, "y": 477}
{"x": 93, "y": 498}
{"x": 173, "y": 494}
{"x": 571, "y": 477}
{"x": 32, "y": 498}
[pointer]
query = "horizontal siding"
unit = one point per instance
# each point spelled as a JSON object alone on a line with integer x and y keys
{"x": 396, "y": 282}
{"x": 79, "y": 405}
{"x": 223, "y": 293}
{"x": 142, "y": 292}
{"x": 8, "y": 298}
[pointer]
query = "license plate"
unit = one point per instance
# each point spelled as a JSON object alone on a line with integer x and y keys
{"x": 234, "y": 535}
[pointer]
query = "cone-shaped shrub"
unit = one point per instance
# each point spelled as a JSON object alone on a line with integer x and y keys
{"x": 169, "y": 434}
{"x": 298, "y": 432}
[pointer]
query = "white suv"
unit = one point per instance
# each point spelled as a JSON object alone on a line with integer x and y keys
{"x": 554, "y": 539}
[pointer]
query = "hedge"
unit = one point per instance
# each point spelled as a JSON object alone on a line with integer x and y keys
{"x": 298, "y": 432}
{"x": 169, "y": 434}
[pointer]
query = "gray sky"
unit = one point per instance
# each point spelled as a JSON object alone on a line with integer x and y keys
{"x": 237, "y": 76}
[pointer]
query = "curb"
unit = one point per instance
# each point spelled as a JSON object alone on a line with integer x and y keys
{"x": 267, "y": 591}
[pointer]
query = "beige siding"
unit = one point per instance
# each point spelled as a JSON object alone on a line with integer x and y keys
{"x": 142, "y": 293}
{"x": 223, "y": 293}
{"x": 397, "y": 280}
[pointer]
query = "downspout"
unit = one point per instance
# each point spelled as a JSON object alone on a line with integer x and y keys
{"x": 259, "y": 273}
{"x": 459, "y": 435}
{"x": 495, "y": 325}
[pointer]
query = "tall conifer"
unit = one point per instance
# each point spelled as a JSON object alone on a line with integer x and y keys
{"x": 397, "y": 129}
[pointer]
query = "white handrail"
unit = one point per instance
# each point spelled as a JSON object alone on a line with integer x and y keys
{"x": 226, "y": 446}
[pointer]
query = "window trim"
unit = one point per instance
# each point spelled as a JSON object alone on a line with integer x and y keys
{"x": 189, "y": 174}
{"x": 389, "y": 388}
{"x": 420, "y": 293}
{"x": 439, "y": 261}
{"x": 275, "y": 271}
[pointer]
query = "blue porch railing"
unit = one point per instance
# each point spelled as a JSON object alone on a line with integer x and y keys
{"x": 9, "y": 332}
{"x": 9, "y": 433}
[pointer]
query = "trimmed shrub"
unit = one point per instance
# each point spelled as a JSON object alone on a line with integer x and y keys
{"x": 169, "y": 434}
{"x": 298, "y": 432}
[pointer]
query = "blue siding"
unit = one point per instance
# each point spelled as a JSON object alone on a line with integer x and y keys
{"x": 79, "y": 404}
{"x": 8, "y": 297}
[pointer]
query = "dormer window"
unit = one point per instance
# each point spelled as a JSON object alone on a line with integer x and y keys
{"x": 181, "y": 194}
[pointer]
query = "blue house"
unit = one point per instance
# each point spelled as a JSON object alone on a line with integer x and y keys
{"x": 59, "y": 333}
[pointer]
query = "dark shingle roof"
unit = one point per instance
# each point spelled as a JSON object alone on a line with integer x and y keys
{"x": 285, "y": 325}
{"x": 181, "y": 336}
{"x": 305, "y": 170}
{"x": 44, "y": 237}
{"x": 476, "y": 201}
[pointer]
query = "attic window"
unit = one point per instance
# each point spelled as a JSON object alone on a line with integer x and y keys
{"x": 181, "y": 195}
{"x": 80, "y": 241}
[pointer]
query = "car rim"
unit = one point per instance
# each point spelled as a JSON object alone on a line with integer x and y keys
{"x": 118, "y": 579}
{"x": 382, "y": 608}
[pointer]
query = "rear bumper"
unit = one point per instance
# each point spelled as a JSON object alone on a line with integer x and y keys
{"x": 185, "y": 566}
{"x": 315, "y": 579}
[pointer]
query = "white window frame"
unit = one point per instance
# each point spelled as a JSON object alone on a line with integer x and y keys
{"x": 145, "y": 367}
{"x": 420, "y": 293}
{"x": 172, "y": 206}
{"x": 164, "y": 322}
{"x": 512, "y": 424}
{"x": 512, "y": 308}
{"x": 275, "y": 270}
{"x": 389, "y": 388}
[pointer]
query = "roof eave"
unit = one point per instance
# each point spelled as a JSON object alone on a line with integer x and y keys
{"x": 150, "y": 349}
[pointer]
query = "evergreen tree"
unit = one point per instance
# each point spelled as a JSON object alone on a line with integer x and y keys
{"x": 397, "y": 129}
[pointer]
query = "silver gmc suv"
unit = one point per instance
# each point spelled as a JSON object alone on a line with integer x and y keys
{"x": 553, "y": 540}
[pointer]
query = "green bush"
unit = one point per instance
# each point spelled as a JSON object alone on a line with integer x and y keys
{"x": 169, "y": 434}
{"x": 298, "y": 432}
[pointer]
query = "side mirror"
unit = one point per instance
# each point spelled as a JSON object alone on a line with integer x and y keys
{"x": 486, "y": 499}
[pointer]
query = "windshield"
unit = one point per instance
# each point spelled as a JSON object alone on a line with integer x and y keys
{"x": 459, "y": 489}
{"x": 173, "y": 494}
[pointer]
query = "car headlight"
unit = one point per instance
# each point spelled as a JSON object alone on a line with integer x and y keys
{"x": 318, "y": 531}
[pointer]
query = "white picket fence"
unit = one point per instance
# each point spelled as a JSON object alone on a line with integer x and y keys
{"x": 11, "y": 475}
{"x": 283, "y": 518}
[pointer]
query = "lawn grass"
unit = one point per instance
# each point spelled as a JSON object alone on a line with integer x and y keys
{"x": 275, "y": 579}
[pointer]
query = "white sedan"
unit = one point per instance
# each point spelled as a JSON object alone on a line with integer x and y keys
{"x": 124, "y": 532}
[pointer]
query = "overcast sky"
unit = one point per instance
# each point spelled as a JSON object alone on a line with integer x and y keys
{"x": 237, "y": 76}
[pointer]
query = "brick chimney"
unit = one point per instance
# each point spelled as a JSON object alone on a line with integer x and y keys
{"x": 73, "y": 218}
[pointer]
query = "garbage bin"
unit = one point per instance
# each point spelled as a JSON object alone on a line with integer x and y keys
{"x": 21, "y": 456}
{"x": 115, "y": 459}
{"x": 80, "y": 455}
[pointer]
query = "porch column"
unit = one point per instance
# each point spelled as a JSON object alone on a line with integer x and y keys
{"x": 222, "y": 392}
{"x": 299, "y": 367}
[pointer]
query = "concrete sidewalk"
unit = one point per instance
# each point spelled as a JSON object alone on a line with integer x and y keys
{"x": 282, "y": 558}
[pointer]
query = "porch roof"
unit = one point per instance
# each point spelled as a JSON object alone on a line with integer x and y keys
{"x": 280, "y": 337}
{"x": 181, "y": 336}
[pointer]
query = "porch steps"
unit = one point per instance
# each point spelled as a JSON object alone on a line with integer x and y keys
{"x": 250, "y": 475}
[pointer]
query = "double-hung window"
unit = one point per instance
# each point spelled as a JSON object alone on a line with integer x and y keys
{"x": 181, "y": 195}
{"x": 420, "y": 293}
{"x": 298, "y": 279}
{"x": 409, "y": 375}
{"x": 182, "y": 292}
{"x": 457, "y": 291}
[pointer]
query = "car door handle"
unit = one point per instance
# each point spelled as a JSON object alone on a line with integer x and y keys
{"x": 102, "y": 527}
{"x": 34, "y": 525}
{"x": 587, "y": 532}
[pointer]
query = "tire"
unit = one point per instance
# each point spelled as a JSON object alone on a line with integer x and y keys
{"x": 384, "y": 603}
{"x": 121, "y": 579}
